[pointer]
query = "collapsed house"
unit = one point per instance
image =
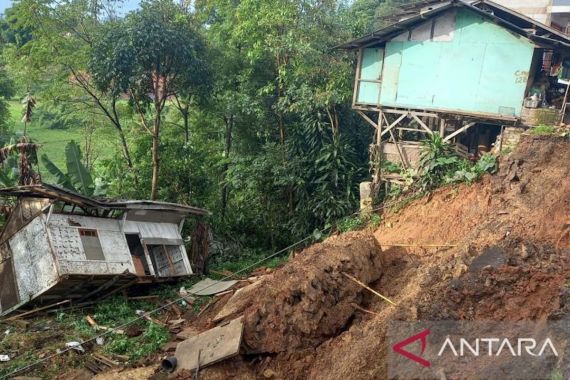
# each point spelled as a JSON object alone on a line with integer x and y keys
{"x": 466, "y": 70}
{"x": 59, "y": 245}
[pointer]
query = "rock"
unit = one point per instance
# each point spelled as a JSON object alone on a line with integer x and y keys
{"x": 526, "y": 251}
{"x": 459, "y": 270}
{"x": 269, "y": 374}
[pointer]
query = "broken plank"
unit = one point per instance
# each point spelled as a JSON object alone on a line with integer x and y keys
{"x": 37, "y": 310}
{"x": 211, "y": 346}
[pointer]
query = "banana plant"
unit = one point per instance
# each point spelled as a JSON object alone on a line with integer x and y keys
{"x": 77, "y": 177}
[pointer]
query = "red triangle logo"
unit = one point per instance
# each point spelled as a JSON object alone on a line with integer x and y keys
{"x": 399, "y": 348}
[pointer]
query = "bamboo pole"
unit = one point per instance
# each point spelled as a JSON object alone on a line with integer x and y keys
{"x": 419, "y": 245}
{"x": 369, "y": 288}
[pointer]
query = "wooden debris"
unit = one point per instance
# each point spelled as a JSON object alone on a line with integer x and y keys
{"x": 369, "y": 288}
{"x": 99, "y": 363}
{"x": 187, "y": 333}
{"x": 211, "y": 346}
{"x": 94, "y": 324}
{"x": 91, "y": 321}
{"x": 357, "y": 307}
{"x": 169, "y": 347}
{"x": 105, "y": 360}
{"x": 37, "y": 310}
{"x": 224, "y": 293}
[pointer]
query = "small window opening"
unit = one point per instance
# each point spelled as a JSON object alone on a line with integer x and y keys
{"x": 91, "y": 244}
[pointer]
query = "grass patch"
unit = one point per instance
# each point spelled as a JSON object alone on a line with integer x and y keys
{"x": 543, "y": 130}
{"x": 351, "y": 223}
{"x": 53, "y": 141}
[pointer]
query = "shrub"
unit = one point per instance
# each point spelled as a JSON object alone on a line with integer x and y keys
{"x": 543, "y": 130}
{"x": 350, "y": 224}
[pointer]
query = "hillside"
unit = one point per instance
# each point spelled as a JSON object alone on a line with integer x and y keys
{"x": 495, "y": 250}
{"x": 509, "y": 262}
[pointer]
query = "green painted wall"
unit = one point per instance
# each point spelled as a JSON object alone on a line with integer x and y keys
{"x": 468, "y": 64}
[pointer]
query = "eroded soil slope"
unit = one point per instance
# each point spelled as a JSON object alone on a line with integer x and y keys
{"x": 508, "y": 260}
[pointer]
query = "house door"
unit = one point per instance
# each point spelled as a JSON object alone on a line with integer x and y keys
{"x": 167, "y": 260}
{"x": 138, "y": 254}
{"x": 8, "y": 289}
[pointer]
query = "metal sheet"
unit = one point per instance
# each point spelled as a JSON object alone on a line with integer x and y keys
{"x": 8, "y": 289}
{"x": 149, "y": 230}
{"x": 208, "y": 287}
{"x": 66, "y": 241}
{"x": 211, "y": 346}
{"x": 484, "y": 69}
{"x": 33, "y": 261}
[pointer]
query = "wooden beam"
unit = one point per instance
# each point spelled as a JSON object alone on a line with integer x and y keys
{"x": 419, "y": 113}
{"x": 421, "y": 123}
{"x": 442, "y": 128}
{"x": 398, "y": 148}
{"x": 411, "y": 129}
{"x": 36, "y": 310}
{"x": 365, "y": 117}
{"x": 460, "y": 130}
{"x": 564, "y": 104}
{"x": 402, "y": 117}
{"x": 378, "y": 174}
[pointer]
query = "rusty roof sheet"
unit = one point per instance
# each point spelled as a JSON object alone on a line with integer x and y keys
{"x": 67, "y": 196}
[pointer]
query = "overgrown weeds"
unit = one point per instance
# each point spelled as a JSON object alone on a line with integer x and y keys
{"x": 543, "y": 130}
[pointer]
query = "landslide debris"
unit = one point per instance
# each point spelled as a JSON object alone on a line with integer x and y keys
{"x": 509, "y": 260}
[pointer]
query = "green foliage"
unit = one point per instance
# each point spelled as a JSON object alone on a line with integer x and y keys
{"x": 77, "y": 178}
{"x": 437, "y": 162}
{"x": 375, "y": 220}
{"x": 350, "y": 224}
{"x": 543, "y": 130}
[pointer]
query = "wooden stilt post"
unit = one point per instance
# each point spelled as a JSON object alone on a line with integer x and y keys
{"x": 564, "y": 104}
{"x": 379, "y": 147}
{"x": 399, "y": 149}
{"x": 501, "y": 138}
{"x": 442, "y": 128}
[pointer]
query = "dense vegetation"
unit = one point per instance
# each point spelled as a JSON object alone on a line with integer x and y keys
{"x": 240, "y": 107}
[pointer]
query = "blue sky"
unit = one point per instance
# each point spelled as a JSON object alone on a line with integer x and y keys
{"x": 126, "y": 6}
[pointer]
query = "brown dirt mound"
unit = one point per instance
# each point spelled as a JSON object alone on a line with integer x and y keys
{"x": 309, "y": 300}
{"x": 510, "y": 262}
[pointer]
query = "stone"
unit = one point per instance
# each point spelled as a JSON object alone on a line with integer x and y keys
{"x": 269, "y": 374}
{"x": 459, "y": 270}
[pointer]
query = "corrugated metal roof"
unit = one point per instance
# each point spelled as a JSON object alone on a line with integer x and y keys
{"x": 503, "y": 16}
{"x": 58, "y": 193}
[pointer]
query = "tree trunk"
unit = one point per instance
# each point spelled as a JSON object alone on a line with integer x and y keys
{"x": 155, "y": 154}
{"x": 124, "y": 147}
{"x": 186, "y": 125}
{"x": 227, "y": 148}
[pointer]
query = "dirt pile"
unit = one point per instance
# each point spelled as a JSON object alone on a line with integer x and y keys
{"x": 309, "y": 300}
{"x": 508, "y": 261}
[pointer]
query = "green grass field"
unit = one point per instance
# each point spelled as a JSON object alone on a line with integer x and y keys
{"x": 53, "y": 141}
